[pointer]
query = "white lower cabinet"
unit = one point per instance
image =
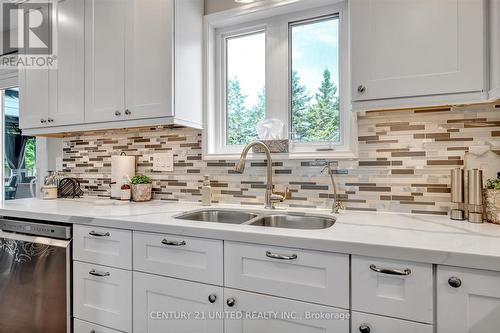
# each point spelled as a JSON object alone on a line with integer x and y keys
{"x": 103, "y": 246}
{"x": 468, "y": 300}
{"x": 103, "y": 295}
{"x": 81, "y": 326}
{"x": 256, "y": 313}
{"x": 311, "y": 276}
{"x": 189, "y": 258}
{"x": 392, "y": 288}
{"x": 164, "y": 305}
{"x": 367, "y": 323}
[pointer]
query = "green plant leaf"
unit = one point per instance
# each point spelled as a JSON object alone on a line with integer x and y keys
{"x": 141, "y": 179}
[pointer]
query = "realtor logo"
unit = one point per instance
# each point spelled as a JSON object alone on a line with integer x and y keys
{"x": 28, "y": 34}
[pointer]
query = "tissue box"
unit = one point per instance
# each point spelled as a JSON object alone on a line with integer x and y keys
{"x": 275, "y": 146}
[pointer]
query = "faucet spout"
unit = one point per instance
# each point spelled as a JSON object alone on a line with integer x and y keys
{"x": 270, "y": 197}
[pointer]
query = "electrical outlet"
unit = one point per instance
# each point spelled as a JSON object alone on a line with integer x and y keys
{"x": 182, "y": 155}
{"x": 59, "y": 164}
{"x": 163, "y": 162}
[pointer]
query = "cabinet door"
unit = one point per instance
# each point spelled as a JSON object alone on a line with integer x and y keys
{"x": 104, "y": 60}
{"x": 495, "y": 49}
{"x": 33, "y": 98}
{"x": 311, "y": 276}
{"x": 164, "y": 305}
{"x": 416, "y": 48}
{"x": 363, "y": 322}
{"x": 66, "y": 99}
{"x": 468, "y": 301}
{"x": 103, "y": 246}
{"x": 251, "y": 313}
{"x": 81, "y": 326}
{"x": 149, "y": 58}
{"x": 189, "y": 258}
{"x": 33, "y": 92}
{"x": 103, "y": 295}
{"x": 392, "y": 288}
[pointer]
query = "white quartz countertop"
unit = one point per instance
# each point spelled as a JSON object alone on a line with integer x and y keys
{"x": 422, "y": 238}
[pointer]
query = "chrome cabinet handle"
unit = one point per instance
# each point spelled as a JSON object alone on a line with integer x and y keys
{"x": 364, "y": 328}
{"x": 454, "y": 282}
{"x": 361, "y": 88}
{"x": 100, "y": 274}
{"x": 390, "y": 271}
{"x": 99, "y": 234}
{"x": 212, "y": 298}
{"x": 230, "y": 302}
{"x": 128, "y": 112}
{"x": 269, "y": 254}
{"x": 173, "y": 243}
{"x": 118, "y": 113}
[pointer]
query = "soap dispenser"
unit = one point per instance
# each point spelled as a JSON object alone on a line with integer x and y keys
{"x": 206, "y": 192}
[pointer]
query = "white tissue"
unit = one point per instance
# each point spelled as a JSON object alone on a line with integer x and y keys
{"x": 270, "y": 129}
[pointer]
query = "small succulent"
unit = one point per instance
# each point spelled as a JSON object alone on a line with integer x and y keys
{"x": 141, "y": 179}
{"x": 493, "y": 184}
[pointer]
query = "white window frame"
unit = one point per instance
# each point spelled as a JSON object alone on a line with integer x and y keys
{"x": 275, "y": 21}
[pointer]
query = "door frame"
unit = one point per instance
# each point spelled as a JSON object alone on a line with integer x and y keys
{"x": 11, "y": 80}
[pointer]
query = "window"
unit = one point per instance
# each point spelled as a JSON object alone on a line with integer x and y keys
{"x": 314, "y": 77}
{"x": 245, "y": 86}
{"x": 290, "y": 66}
{"x": 19, "y": 150}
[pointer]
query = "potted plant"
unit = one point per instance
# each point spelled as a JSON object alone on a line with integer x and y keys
{"x": 142, "y": 187}
{"x": 492, "y": 200}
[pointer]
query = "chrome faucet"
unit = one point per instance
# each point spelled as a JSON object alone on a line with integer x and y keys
{"x": 337, "y": 205}
{"x": 270, "y": 197}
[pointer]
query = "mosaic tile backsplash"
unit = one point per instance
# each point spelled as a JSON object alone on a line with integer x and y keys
{"x": 405, "y": 157}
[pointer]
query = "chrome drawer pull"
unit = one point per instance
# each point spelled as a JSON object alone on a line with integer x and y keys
{"x": 173, "y": 243}
{"x": 100, "y": 274}
{"x": 389, "y": 271}
{"x": 99, "y": 234}
{"x": 269, "y": 254}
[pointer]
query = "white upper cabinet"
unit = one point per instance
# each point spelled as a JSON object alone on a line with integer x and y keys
{"x": 137, "y": 66}
{"x": 149, "y": 58}
{"x": 66, "y": 83}
{"x": 122, "y": 63}
{"x": 416, "y": 48}
{"x": 104, "y": 59}
{"x": 495, "y": 49}
{"x": 468, "y": 301}
{"x": 55, "y": 97}
{"x": 33, "y": 98}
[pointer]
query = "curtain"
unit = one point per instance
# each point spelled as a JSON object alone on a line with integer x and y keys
{"x": 15, "y": 143}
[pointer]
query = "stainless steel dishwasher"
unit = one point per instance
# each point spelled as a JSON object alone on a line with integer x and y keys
{"x": 35, "y": 273}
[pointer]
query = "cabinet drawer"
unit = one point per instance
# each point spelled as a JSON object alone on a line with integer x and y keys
{"x": 392, "y": 288}
{"x": 363, "y": 322}
{"x": 283, "y": 315}
{"x": 189, "y": 258}
{"x": 86, "y": 327}
{"x": 154, "y": 295}
{"x": 103, "y": 295}
{"x": 104, "y": 246}
{"x": 311, "y": 276}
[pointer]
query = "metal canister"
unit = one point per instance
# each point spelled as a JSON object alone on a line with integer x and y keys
{"x": 475, "y": 196}
{"x": 457, "y": 194}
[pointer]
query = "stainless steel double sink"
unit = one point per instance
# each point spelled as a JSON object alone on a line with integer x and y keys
{"x": 275, "y": 220}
